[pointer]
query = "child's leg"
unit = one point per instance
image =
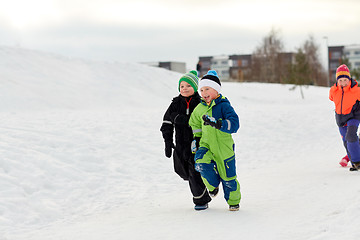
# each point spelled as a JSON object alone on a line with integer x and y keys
{"x": 207, "y": 168}
{"x": 197, "y": 186}
{"x": 231, "y": 186}
{"x": 180, "y": 167}
{"x": 343, "y": 131}
{"x": 352, "y": 140}
{"x": 232, "y": 193}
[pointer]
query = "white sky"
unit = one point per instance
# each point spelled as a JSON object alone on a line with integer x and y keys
{"x": 172, "y": 30}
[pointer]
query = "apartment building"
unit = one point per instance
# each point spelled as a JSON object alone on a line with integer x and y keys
{"x": 352, "y": 52}
{"x": 240, "y": 69}
{"x": 221, "y": 65}
{"x": 336, "y": 56}
{"x": 179, "y": 67}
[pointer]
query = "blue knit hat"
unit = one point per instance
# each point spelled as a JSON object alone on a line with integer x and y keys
{"x": 211, "y": 79}
{"x": 191, "y": 78}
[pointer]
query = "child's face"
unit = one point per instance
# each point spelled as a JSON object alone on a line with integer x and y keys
{"x": 186, "y": 89}
{"x": 208, "y": 94}
{"x": 343, "y": 82}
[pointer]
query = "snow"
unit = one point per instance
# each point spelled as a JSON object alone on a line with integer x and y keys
{"x": 81, "y": 157}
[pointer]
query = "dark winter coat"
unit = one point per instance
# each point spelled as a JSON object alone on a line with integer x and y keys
{"x": 177, "y": 118}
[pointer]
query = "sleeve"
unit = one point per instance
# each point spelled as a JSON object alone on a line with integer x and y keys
{"x": 331, "y": 94}
{"x": 167, "y": 127}
{"x": 195, "y": 123}
{"x": 230, "y": 123}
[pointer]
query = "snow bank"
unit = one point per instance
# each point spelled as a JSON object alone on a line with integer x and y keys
{"x": 81, "y": 157}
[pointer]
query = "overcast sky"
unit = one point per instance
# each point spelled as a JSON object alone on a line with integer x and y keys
{"x": 173, "y": 30}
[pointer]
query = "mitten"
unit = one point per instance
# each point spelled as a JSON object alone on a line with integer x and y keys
{"x": 168, "y": 148}
{"x": 212, "y": 121}
{"x": 195, "y": 144}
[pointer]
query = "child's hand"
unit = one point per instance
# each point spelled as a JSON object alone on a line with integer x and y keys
{"x": 168, "y": 148}
{"x": 212, "y": 121}
{"x": 195, "y": 144}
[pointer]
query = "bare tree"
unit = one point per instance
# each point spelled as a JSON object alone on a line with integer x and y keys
{"x": 317, "y": 72}
{"x": 267, "y": 61}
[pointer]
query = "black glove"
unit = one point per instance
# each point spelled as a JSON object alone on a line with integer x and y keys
{"x": 168, "y": 148}
{"x": 212, "y": 121}
{"x": 181, "y": 119}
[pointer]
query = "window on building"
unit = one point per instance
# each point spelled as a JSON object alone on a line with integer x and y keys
{"x": 335, "y": 55}
{"x": 357, "y": 64}
{"x": 206, "y": 65}
{"x": 357, "y": 52}
{"x": 333, "y": 65}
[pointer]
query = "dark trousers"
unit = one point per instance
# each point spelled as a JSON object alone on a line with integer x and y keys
{"x": 351, "y": 139}
{"x": 184, "y": 167}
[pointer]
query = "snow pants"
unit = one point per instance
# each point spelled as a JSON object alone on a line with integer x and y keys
{"x": 214, "y": 170}
{"x": 351, "y": 140}
{"x": 186, "y": 170}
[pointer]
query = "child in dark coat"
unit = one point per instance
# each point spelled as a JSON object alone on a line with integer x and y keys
{"x": 177, "y": 117}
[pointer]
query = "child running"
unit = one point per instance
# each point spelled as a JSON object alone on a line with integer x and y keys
{"x": 213, "y": 121}
{"x": 177, "y": 117}
{"x": 346, "y": 96}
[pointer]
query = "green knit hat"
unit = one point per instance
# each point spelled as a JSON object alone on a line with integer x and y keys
{"x": 191, "y": 78}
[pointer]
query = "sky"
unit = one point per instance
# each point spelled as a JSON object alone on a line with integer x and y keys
{"x": 169, "y": 30}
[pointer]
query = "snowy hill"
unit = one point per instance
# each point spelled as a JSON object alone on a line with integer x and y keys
{"x": 35, "y": 80}
{"x": 81, "y": 157}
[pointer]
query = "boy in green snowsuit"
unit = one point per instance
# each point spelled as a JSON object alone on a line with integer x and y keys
{"x": 213, "y": 121}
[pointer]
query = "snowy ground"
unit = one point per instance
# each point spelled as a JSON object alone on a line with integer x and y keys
{"x": 81, "y": 157}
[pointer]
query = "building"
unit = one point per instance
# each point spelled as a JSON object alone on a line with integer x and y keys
{"x": 336, "y": 56}
{"x": 236, "y": 67}
{"x": 352, "y": 53}
{"x": 172, "y": 66}
{"x": 205, "y": 65}
{"x": 240, "y": 69}
{"x": 221, "y": 65}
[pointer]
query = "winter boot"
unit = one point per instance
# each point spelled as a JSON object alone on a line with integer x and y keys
{"x": 356, "y": 165}
{"x": 344, "y": 161}
{"x": 201, "y": 207}
{"x": 234, "y": 207}
{"x": 214, "y": 192}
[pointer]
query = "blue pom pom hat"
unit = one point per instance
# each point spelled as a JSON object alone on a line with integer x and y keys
{"x": 211, "y": 79}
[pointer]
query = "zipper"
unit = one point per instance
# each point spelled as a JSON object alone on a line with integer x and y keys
{"x": 342, "y": 98}
{"x": 188, "y": 106}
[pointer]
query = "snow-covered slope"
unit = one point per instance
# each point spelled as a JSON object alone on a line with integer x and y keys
{"x": 81, "y": 157}
{"x": 32, "y": 80}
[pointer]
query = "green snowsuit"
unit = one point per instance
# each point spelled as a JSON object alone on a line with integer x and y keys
{"x": 215, "y": 157}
